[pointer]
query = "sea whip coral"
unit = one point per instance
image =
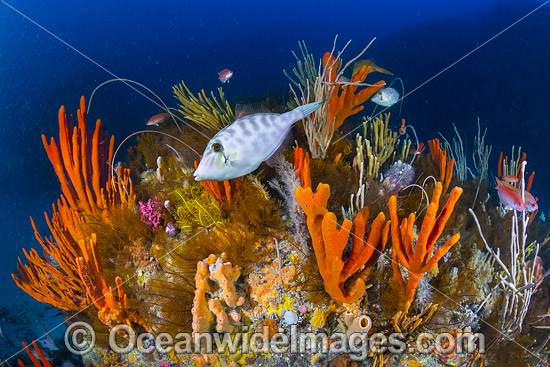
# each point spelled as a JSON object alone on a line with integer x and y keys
{"x": 151, "y": 212}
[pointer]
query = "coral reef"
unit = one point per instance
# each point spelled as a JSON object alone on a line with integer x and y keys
{"x": 144, "y": 245}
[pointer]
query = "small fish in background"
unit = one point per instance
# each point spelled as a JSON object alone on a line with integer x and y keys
{"x": 2, "y": 332}
{"x": 225, "y": 75}
{"x": 47, "y": 344}
{"x": 343, "y": 79}
{"x": 357, "y": 65}
{"x": 48, "y": 341}
{"x": 386, "y": 97}
{"x": 158, "y": 119}
{"x": 240, "y": 148}
{"x": 242, "y": 110}
{"x": 510, "y": 179}
{"x": 510, "y": 197}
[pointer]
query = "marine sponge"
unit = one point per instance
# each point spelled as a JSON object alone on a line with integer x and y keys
{"x": 225, "y": 274}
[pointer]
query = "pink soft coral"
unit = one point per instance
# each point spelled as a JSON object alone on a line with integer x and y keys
{"x": 151, "y": 213}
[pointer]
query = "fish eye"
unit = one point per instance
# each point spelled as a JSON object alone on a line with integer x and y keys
{"x": 216, "y": 147}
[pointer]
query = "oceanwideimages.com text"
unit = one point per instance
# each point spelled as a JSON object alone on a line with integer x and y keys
{"x": 80, "y": 339}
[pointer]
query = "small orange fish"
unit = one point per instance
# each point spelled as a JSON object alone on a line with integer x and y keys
{"x": 511, "y": 179}
{"x": 225, "y": 75}
{"x": 158, "y": 119}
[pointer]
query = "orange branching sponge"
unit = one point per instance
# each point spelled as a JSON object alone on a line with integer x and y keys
{"x": 111, "y": 310}
{"x": 81, "y": 166}
{"x": 329, "y": 243}
{"x": 222, "y": 193}
{"x": 417, "y": 257}
{"x": 301, "y": 166}
{"x": 43, "y": 361}
{"x": 419, "y": 149}
{"x": 202, "y": 318}
{"x": 59, "y": 286}
{"x": 345, "y": 102}
{"x": 444, "y": 167}
{"x": 225, "y": 275}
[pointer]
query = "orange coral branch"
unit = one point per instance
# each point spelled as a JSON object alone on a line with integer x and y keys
{"x": 112, "y": 310}
{"x": 81, "y": 167}
{"x": 329, "y": 243}
{"x": 417, "y": 256}
{"x": 500, "y": 166}
{"x": 35, "y": 361}
{"x": 439, "y": 158}
{"x": 347, "y": 101}
{"x": 54, "y": 282}
{"x": 222, "y": 193}
{"x": 301, "y": 166}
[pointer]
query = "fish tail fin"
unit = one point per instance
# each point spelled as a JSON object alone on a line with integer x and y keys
{"x": 307, "y": 109}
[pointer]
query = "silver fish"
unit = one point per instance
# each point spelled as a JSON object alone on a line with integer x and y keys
{"x": 386, "y": 97}
{"x": 241, "y": 147}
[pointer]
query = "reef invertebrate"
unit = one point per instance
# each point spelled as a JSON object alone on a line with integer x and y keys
{"x": 195, "y": 207}
{"x": 43, "y": 362}
{"x": 512, "y": 168}
{"x": 347, "y": 101}
{"x": 225, "y": 275}
{"x": 443, "y": 166}
{"x": 301, "y": 166}
{"x": 151, "y": 212}
{"x": 398, "y": 176}
{"x": 222, "y": 193}
{"x": 321, "y": 84}
{"x": 83, "y": 177}
{"x": 329, "y": 243}
{"x": 207, "y": 112}
{"x": 90, "y": 270}
{"x": 417, "y": 257}
{"x": 59, "y": 286}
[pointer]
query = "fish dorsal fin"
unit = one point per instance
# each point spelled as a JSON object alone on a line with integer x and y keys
{"x": 358, "y": 64}
{"x": 242, "y": 110}
{"x": 285, "y": 145}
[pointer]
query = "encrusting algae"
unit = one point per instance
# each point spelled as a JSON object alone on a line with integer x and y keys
{"x": 145, "y": 245}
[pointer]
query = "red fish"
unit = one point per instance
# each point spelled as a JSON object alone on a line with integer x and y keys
{"x": 510, "y": 179}
{"x": 225, "y": 75}
{"x": 158, "y": 119}
{"x": 530, "y": 202}
{"x": 510, "y": 197}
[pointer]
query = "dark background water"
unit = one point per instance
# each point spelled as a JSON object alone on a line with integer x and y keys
{"x": 505, "y": 83}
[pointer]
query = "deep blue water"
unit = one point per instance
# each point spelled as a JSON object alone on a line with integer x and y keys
{"x": 505, "y": 83}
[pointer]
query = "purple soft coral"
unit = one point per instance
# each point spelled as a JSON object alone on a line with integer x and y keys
{"x": 151, "y": 213}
